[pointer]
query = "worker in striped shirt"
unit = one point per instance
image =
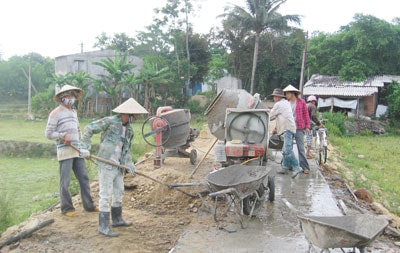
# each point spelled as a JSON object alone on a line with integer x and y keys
{"x": 63, "y": 127}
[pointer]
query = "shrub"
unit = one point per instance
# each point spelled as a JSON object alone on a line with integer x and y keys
{"x": 335, "y": 119}
{"x": 194, "y": 106}
{"x": 333, "y": 129}
{"x": 366, "y": 132}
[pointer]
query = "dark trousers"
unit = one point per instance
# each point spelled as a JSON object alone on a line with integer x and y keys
{"x": 77, "y": 165}
{"x": 299, "y": 137}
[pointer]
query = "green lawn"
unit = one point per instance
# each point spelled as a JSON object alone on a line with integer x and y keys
{"x": 375, "y": 165}
{"x": 29, "y": 185}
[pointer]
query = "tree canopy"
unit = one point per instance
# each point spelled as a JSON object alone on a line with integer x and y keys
{"x": 365, "y": 47}
{"x": 255, "y": 44}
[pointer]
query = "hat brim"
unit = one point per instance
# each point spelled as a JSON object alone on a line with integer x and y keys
{"x": 277, "y": 95}
{"x": 79, "y": 92}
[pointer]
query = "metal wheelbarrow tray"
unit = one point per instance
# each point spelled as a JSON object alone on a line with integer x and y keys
{"x": 355, "y": 231}
{"x": 241, "y": 180}
{"x": 244, "y": 185}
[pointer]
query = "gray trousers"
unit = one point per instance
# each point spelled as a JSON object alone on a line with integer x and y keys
{"x": 111, "y": 187}
{"x": 299, "y": 137}
{"x": 77, "y": 165}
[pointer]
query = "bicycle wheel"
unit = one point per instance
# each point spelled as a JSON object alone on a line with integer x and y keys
{"x": 320, "y": 151}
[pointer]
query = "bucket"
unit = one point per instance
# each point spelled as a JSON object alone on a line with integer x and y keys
{"x": 228, "y": 98}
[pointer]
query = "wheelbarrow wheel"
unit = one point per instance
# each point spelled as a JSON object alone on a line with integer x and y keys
{"x": 193, "y": 156}
{"x": 271, "y": 187}
{"x": 251, "y": 200}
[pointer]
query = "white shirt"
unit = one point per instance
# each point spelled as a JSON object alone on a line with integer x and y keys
{"x": 282, "y": 112}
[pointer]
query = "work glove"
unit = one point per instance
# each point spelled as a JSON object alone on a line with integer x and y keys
{"x": 84, "y": 153}
{"x": 131, "y": 169}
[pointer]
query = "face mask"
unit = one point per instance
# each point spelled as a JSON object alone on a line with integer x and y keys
{"x": 68, "y": 101}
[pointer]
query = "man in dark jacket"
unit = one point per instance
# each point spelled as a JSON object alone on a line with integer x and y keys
{"x": 312, "y": 111}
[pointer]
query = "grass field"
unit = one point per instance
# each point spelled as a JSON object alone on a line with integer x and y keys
{"x": 374, "y": 162}
{"x": 28, "y": 184}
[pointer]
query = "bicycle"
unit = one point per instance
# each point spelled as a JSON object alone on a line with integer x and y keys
{"x": 321, "y": 144}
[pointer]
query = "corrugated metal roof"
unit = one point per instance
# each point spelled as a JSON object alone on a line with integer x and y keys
{"x": 322, "y": 85}
{"x": 340, "y": 91}
{"x": 380, "y": 81}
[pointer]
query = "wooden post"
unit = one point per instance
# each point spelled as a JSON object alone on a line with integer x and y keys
{"x": 303, "y": 63}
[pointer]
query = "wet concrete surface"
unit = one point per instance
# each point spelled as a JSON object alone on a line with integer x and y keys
{"x": 276, "y": 227}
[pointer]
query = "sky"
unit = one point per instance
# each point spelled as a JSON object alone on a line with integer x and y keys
{"x": 60, "y": 27}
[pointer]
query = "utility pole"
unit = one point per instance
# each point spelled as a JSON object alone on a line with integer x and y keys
{"x": 30, "y": 116}
{"x": 303, "y": 63}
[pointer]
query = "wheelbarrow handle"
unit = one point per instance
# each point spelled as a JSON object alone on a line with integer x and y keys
{"x": 224, "y": 191}
{"x": 186, "y": 184}
{"x": 136, "y": 172}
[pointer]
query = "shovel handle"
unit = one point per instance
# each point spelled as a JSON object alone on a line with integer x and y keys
{"x": 136, "y": 172}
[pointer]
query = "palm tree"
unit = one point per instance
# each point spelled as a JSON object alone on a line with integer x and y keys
{"x": 261, "y": 16}
{"x": 154, "y": 79}
{"x": 82, "y": 80}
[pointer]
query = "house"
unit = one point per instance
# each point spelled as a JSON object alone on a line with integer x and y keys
{"x": 357, "y": 98}
{"x": 228, "y": 82}
{"x": 83, "y": 62}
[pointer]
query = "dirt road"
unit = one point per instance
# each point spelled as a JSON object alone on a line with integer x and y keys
{"x": 160, "y": 215}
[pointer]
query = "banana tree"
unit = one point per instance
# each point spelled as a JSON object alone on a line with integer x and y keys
{"x": 117, "y": 68}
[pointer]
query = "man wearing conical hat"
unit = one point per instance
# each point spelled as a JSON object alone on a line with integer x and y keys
{"x": 115, "y": 146}
{"x": 63, "y": 127}
{"x": 285, "y": 125}
{"x": 303, "y": 123}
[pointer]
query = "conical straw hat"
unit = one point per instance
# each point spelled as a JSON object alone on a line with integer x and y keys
{"x": 291, "y": 88}
{"x": 65, "y": 88}
{"x": 130, "y": 106}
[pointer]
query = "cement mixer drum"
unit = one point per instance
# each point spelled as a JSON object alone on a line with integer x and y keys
{"x": 228, "y": 98}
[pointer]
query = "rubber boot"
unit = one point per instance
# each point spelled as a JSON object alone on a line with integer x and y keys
{"x": 104, "y": 225}
{"x": 117, "y": 221}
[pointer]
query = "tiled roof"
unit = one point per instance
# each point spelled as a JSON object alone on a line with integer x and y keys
{"x": 322, "y": 85}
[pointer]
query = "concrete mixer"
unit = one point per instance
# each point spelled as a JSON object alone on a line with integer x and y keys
{"x": 169, "y": 131}
{"x": 240, "y": 123}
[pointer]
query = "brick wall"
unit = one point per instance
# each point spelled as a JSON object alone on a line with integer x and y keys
{"x": 369, "y": 105}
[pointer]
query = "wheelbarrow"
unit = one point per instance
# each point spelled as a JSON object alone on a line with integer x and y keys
{"x": 353, "y": 231}
{"x": 244, "y": 184}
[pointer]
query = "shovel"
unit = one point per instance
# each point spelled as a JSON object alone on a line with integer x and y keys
{"x": 126, "y": 168}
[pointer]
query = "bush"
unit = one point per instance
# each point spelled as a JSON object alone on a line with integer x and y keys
{"x": 394, "y": 103}
{"x": 366, "y": 132}
{"x": 335, "y": 119}
{"x": 194, "y": 106}
{"x": 333, "y": 129}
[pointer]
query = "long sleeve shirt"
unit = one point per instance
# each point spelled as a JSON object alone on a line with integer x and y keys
{"x": 282, "y": 113}
{"x": 116, "y": 139}
{"x": 302, "y": 117}
{"x": 312, "y": 111}
{"x": 64, "y": 121}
